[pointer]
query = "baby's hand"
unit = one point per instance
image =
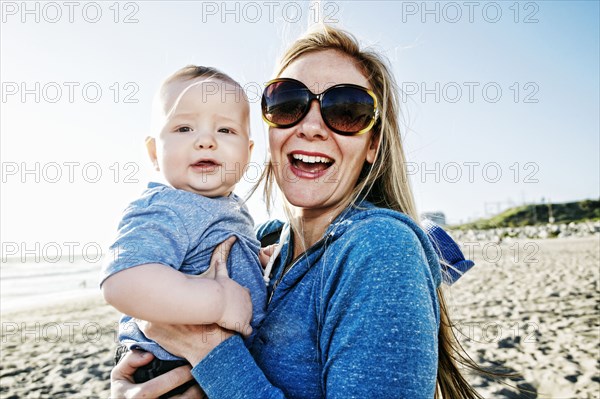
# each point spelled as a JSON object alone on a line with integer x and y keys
{"x": 265, "y": 254}
{"x": 237, "y": 309}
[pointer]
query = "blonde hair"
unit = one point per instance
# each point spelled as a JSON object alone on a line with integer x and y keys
{"x": 384, "y": 183}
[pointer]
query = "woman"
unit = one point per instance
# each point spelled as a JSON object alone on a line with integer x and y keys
{"x": 355, "y": 309}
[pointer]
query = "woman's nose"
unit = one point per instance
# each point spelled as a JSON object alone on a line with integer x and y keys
{"x": 312, "y": 125}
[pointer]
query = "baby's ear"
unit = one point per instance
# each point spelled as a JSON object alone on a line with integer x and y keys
{"x": 250, "y": 146}
{"x": 151, "y": 148}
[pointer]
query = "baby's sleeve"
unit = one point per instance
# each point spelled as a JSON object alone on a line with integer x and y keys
{"x": 152, "y": 234}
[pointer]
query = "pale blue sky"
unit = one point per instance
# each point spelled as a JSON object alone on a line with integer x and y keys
{"x": 554, "y": 61}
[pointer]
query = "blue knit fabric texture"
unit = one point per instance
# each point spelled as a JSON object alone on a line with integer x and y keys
{"x": 356, "y": 316}
{"x": 180, "y": 229}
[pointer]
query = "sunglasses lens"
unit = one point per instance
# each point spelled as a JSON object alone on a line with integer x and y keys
{"x": 348, "y": 109}
{"x": 284, "y": 103}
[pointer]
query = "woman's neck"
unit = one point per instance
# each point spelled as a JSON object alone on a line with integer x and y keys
{"x": 310, "y": 225}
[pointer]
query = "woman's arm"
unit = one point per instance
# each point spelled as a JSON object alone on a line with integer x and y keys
{"x": 158, "y": 293}
{"x": 223, "y": 367}
{"x": 379, "y": 323}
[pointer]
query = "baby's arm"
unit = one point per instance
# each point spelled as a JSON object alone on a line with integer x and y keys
{"x": 158, "y": 293}
{"x": 142, "y": 279}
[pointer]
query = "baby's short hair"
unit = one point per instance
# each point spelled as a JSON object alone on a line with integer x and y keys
{"x": 189, "y": 72}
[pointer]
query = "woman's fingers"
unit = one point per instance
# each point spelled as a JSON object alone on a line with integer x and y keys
{"x": 224, "y": 248}
{"x": 269, "y": 249}
{"x": 264, "y": 255}
{"x": 220, "y": 255}
{"x": 170, "y": 380}
{"x": 123, "y": 386}
{"x": 131, "y": 361}
{"x": 192, "y": 393}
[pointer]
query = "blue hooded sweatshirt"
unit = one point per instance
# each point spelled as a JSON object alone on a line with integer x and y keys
{"x": 356, "y": 316}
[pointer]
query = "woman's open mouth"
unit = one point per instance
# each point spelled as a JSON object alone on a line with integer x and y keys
{"x": 309, "y": 166}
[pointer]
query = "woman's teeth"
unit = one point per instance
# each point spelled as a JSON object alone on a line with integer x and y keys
{"x": 311, "y": 159}
{"x": 311, "y": 164}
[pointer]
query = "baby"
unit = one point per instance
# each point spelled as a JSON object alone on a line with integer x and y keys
{"x": 166, "y": 237}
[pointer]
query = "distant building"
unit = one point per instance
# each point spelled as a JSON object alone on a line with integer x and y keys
{"x": 436, "y": 217}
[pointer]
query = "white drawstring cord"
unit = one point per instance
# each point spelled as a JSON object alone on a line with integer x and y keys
{"x": 267, "y": 271}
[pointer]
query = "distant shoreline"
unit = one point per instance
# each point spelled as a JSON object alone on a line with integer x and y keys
{"x": 32, "y": 285}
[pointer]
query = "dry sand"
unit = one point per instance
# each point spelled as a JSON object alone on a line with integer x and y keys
{"x": 61, "y": 351}
{"x": 539, "y": 320}
{"x": 533, "y": 312}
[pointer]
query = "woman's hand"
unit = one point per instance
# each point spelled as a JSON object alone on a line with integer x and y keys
{"x": 237, "y": 306}
{"x": 192, "y": 342}
{"x": 235, "y": 302}
{"x": 232, "y": 306}
{"x": 123, "y": 386}
{"x": 264, "y": 255}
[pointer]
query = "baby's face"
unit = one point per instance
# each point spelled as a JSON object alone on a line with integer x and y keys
{"x": 204, "y": 145}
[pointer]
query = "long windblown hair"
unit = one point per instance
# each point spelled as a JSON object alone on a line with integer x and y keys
{"x": 384, "y": 183}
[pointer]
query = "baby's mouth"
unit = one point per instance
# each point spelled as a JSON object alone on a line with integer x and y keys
{"x": 309, "y": 163}
{"x": 205, "y": 164}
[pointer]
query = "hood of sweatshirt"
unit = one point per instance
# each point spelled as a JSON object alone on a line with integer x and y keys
{"x": 341, "y": 224}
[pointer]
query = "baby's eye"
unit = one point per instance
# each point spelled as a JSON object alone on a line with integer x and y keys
{"x": 183, "y": 129}
{"x": 225, "y": 130}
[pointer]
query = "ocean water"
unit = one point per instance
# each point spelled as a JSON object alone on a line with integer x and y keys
{"x": 34, "y": 284}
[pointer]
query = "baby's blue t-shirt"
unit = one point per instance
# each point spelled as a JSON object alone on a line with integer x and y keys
{"x": 180, "y": 229}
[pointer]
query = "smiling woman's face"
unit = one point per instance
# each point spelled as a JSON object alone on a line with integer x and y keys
{"x": 315, "y": 167}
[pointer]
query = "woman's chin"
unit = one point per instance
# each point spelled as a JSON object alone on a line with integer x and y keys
{"x": 316, "y": 200}
{"x": 305, "y": 198}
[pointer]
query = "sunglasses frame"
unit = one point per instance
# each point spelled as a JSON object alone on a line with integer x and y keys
{"x": 319, "y": 98}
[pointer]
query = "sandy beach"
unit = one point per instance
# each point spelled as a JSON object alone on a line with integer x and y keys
{"x": 531, "y": 308}
{"x": 63, "y": 351}
{"x": 532, "y": 311}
